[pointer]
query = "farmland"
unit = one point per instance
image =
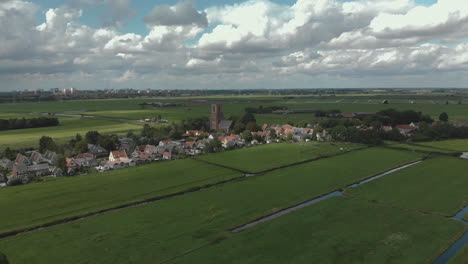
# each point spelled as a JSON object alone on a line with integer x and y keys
{"x": 262, "y": 158}
{"x": 436, "y": 185}
{"x": 119, "y": 115}
{"x": 460, "y": 145}
{"x": 165, "y": 229}
{"x": 67, "y": 129}
{"x": 65, "y": 197}
{"x": 338, "y": 230}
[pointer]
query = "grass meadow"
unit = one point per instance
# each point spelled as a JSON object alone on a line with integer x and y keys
{"x": 39, "y": 203}
{"x": 67, "y": 129}
{"x": 161, "y": 231}
{"x": 266, "y": 157}
{"x": 339, "y": 230}
{"x": 460, "y": 145}
{"x": 436, "y": 185}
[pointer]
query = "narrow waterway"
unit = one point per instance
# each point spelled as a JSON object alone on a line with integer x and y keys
{"x": 316, "y": 200}
{"x": 452, "y": 251}
{"x": 285, "y": 211}
{"x": 383, "y": 174}
{"x": 459, "y": 216}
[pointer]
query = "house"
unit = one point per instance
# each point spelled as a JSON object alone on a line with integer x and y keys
{"x": 229, "y": 141}
{"x": 348, "y": 115}
{"x": 387, "y": 128}
{"x": 19, "y": 170}
{"x": 6, "y": 164}
{"x": 56, "y": 172}
{"x": 35, "y": 157}
{"x": 97, "y": 150}
{"x": 72, "y": 165}
{"x": 323, "y": 136}
{"x": 22, "y": 159}
{"x": 103, "y": 166}
{"x": 149, "y": 149}
{"x": 167, "y": 155}
{"x": 406, "y": 130}
{"x": 117, "y": 154}
{"x": 127, "y": 144}
{"x": 87, "y": 160}
{"x": 39, "y": 169}
{"x": 50, "y": 157}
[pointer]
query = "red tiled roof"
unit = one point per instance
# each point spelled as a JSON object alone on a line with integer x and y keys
{"x": 119, "y": 154}
{"x": 84, "y": 156}
{"x": 145, "y": 155}
{"x": 345, "y": 115}
{"x": 406, "y": 127}
{"x": 166, "y": 153}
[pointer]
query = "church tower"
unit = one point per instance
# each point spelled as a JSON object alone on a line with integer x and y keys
{"x": 216, "y": 116}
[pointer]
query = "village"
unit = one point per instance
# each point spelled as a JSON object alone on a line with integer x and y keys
{"x": 33, "y": 164}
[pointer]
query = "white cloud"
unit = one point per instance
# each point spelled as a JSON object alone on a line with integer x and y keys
{"x": 248, "y": 42}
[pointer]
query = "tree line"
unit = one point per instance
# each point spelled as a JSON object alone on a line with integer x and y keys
{"x": 10, "y": 124}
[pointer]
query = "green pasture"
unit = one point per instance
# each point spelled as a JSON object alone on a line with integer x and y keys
{"x": 419, "y": 147}
{"x": 162, "y": 230}
{"x": 338, "y": 230}
{"x": 460, "y": 145}
{"x": 436, "y": 185}
{"x": 39, "y": 203}
{"x": 67, "y": 129}
{"x": 266, "y": 157}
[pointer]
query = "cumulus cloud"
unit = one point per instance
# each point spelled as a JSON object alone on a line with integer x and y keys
{"x": 182, "y": 14}
{"x": 240, "y": 44}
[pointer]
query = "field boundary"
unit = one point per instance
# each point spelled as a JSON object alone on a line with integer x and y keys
{"x": 283, "y": 166}
{"x": 114, "y": 208}
{"x": 342, "y": 190}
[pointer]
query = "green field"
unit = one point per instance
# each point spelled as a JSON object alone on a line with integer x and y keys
{"x": 460, "y": 145}
{"x": 436, "y": 185}
{"x": 123, "y": 112}
{"x": 461, "y": 257}
{"x": 419, "y": 147}
{"x": 34, "y": 204}
{"x": 163, "y": 230}
{"x": 266, "y": 157}
{"x": 338, "y": 230}
{"x": 67, "y": 129}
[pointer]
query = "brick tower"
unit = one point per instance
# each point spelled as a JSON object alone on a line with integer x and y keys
{"x": 216, "y": 116}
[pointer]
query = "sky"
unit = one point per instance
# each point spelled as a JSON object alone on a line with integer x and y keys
{"x": 233, "y": 44}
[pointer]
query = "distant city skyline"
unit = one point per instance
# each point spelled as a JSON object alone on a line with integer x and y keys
{"x": 229, "y": 44}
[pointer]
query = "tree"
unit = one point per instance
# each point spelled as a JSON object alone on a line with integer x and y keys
{"x": 247, "y": 135}
{"x": 92, "y": 137}
{"x": 443, "y": 117}
{"x": 9, "y": 154}
{"x": 61, "y": 163}
{"x": 213, "y": 146}
{"x": 247, "y": 118}
{"x": 252, "y": 126}
{"x": 81, "y": 147}
{"x": 46, "y": 143}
